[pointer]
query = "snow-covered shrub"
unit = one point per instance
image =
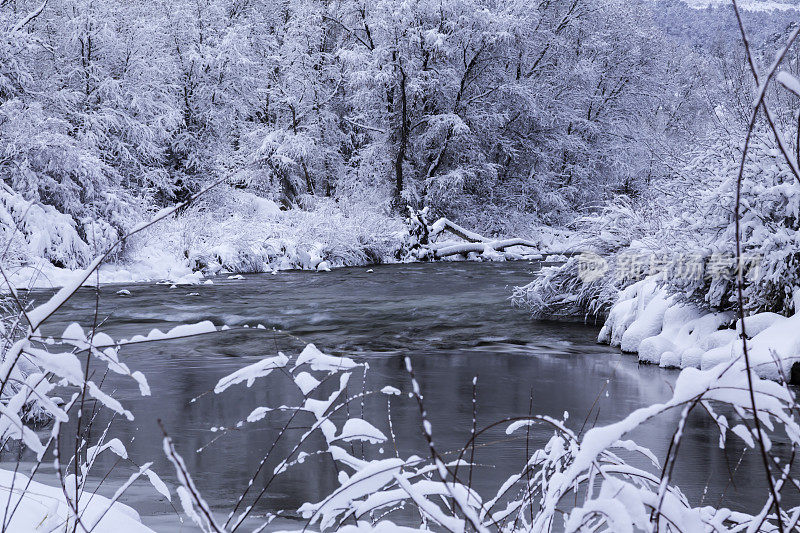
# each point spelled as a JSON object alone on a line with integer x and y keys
{"x": 588, "y": 283}
{"x": 31, "y": 229}
{"x": 57, "y": 190}
{"x": 559, "y": 292}
{"x": 770, "y": 220}
{"x": 416, "y": 243}
{"x": 697, "y": 226}
{"x": 34, "y": 367}
{"x": 240, "y": 232}
{"x": 45, "y": 163}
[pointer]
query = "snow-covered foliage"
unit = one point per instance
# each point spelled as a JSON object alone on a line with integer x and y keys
{"x": 33, "y": 369}
{"x": 589, "y": 282}
{"x": 670, "y": 238}
{"x": 685, "y": 219}
{"x": 240, "y": 232}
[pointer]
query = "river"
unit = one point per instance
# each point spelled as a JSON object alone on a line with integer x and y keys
{"x": 454, "y": 320}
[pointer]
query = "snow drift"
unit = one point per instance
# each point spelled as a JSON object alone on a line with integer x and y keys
{"x": 666, "y": 331}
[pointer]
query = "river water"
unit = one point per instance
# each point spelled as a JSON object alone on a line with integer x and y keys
{"x": 454, "y": 320}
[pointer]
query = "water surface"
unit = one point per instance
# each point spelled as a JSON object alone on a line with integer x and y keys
{"x": 454, "y": 320}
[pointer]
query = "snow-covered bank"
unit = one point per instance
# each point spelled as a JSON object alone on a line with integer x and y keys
{"x": 41, "y": 507}
{"x": 229, "y": 231}
{"x": 238, "y": 232}
{"x": 666, "y": 331}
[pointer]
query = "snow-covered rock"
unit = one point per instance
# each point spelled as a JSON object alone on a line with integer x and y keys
{"x": 649, "y": 311}
{"x": 661, "y": 330}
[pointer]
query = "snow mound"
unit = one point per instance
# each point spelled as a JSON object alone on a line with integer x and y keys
{"x": 358, "y": 429}
{"x": 670, "y": 333}
{"x": 44, "y": 508}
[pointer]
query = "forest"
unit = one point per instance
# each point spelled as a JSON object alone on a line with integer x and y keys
{"x": 506, "y": 119}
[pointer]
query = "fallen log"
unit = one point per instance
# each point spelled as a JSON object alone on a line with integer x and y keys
{"x": 481, "y": 247}
{"x": 423, "y": 233}
{"x": 444, "y": 224}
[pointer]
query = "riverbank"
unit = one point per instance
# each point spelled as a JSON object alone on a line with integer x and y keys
{"x": 663, "y": 330}
{"x": 242, "y": 233}
{"x": 662, "y": 324}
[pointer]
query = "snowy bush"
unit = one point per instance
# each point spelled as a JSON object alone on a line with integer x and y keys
{"x": 563, "y": 290}
{"x": 240, "y": 232}
{"x": 697, "y": 224}
{"x": 33, "y": 368}
{"x": 33, "y": 230}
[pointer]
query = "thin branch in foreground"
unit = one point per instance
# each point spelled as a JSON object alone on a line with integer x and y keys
{"x": 738, "y": 237}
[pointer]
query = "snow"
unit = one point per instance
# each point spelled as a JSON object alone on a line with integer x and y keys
{"x": 183, "y": 330}
{"x": 115, "y": 445}
{"x": 244, "y": 233}
{"x": 158, "y": 484}
{"x": 320, "y": 361}
{"x": 789, "y": 81}
{"x": 443, "y": 223}
{"x": 250, "y": 373}
{"x": 367, "y": 480}
{"x": 44, "y": 508}
{"x": 39, "y": 273}
{"x": 670, "y": 333}
{"x": 306, "y": 382}
{"x": 257, "y": 414}
{"x": 649, "y": 320}
{"x": 745, "y": 5}
{"x": 358, "y": 429}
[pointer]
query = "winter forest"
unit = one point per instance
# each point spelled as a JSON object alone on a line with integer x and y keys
{"x": 400, "y": 266}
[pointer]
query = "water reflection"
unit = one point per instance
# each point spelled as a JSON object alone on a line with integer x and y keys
{"x": 453, "y": 319}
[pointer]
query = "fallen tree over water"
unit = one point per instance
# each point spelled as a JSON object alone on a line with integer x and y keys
{"x": 422, "y": 235}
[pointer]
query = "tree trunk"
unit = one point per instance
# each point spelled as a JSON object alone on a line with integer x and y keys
{"x": 403, "y": 141}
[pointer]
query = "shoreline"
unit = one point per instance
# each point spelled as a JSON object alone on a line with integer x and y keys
{"x": 31, "y": 277}
{"x": 662, "y": 330}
